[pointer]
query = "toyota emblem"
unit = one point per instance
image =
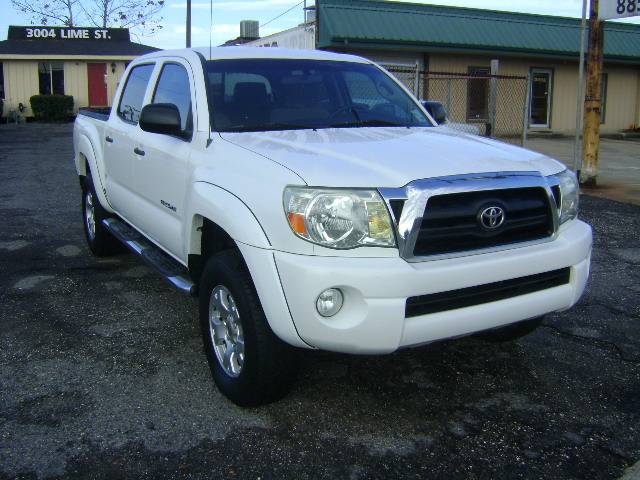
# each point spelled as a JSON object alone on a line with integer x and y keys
{"x": 492, "y": 217}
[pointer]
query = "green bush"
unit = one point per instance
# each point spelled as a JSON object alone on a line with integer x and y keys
{"x": 51, "y": 108}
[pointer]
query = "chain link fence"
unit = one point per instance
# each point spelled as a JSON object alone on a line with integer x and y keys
{"x": 494, "y": 106}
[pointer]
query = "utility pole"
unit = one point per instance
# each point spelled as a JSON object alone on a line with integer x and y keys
{"x": 577, "y": 148}
{"x": 593, "y": 100}
{"x": 188, "y": 23}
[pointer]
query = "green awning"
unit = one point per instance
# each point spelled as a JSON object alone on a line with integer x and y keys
{"x": 384, "y": 24}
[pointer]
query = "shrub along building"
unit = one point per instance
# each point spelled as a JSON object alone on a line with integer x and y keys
{"x": 86, "y": 63}
{"x": 538, "y": 53}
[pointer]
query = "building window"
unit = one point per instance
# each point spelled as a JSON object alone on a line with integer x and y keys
{"x": 478, "y": 94}
{"x": 51, "y": 76}
{"x": 1, "y": 81}
{"x": 603, "y": 95}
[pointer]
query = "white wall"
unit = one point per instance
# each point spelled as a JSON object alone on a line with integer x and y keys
{"x": 21, "y": 82}
{"x": 300, "y": 38}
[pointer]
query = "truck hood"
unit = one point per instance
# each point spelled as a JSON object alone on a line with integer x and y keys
{"x": 387, "y": 157}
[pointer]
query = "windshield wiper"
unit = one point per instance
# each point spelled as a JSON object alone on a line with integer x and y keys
{"x": 267, "y": 127}
{"x": 368, "y": 123}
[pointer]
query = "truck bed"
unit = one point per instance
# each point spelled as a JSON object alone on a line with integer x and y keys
{"x": 101, "y": 114}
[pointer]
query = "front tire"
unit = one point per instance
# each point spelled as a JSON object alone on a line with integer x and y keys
{"x": 249, "y": 364}
{"x": 100, "y": 241}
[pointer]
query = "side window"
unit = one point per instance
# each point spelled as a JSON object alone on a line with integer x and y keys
{"x": 173, "y": 87}
{"x": 133, "y": 93}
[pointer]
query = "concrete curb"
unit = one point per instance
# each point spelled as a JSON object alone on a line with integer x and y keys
{"x": 622, "y": 136}
{"x": 609, "y": 136}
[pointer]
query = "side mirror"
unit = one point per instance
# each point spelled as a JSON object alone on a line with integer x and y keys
{"x": 163, "y": 118}
{"x": 440, "y": 117}
{"x": 437, "y": 111}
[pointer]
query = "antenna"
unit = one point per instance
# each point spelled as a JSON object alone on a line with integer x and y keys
{"x": 188, "y": 39}
{"x": 209, "y": 140}
{"x": 210, "y": 25}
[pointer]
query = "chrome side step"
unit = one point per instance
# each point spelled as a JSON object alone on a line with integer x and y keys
{"x": 172, "y": 271}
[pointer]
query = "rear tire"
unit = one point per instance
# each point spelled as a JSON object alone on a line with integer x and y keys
{"x": 249, "y": 364}
{"x": 511, "y": 332}
{"x": 100, "y": 241}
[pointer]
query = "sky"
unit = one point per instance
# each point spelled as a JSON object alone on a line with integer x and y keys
{"x": 228, "y": 13}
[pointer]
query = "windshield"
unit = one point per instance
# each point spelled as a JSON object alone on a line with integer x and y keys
{"x": 272, "y": 94}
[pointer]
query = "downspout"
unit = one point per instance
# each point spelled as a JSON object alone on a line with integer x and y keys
{"x": 317, "y": 32}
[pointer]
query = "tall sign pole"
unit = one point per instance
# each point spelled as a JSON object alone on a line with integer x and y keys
{"x": 577, "y": 149}
{"x": 593, "y": 100}
{"x": 188, "y": 24}
{"x": 600, "y": 10}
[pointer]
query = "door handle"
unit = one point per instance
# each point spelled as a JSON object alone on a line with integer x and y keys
{"x": 108, "y": 139}
{"x": 137, "y": 151}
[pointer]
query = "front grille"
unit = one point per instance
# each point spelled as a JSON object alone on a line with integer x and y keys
{"x": 493, "y": 292}
{"x": 451, "y": 224}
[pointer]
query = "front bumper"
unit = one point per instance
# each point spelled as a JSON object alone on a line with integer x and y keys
{"x": 372, "y": 319}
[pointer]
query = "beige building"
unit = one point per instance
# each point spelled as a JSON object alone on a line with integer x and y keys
{"x": 445, "y": 54}
{"x": 86, "y": 63}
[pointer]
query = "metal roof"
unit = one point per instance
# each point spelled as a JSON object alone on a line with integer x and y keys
{"x": 383, "y": 24}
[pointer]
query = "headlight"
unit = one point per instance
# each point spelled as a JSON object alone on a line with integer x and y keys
{"x": 569, "y": 195}
{"x": 339, "y": 219}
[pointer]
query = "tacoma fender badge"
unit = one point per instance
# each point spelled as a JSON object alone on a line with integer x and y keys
{"x": 168, "y": 205}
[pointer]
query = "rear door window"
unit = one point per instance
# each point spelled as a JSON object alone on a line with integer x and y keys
{"x": 133, "y": 93}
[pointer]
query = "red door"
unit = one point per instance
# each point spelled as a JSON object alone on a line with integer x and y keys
{"x": 97, "y": 84}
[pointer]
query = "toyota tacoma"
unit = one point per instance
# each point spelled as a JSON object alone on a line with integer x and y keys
{"x": 309, "y": 201}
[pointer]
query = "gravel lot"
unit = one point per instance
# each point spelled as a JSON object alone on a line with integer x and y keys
{"x": 103, "y": 374}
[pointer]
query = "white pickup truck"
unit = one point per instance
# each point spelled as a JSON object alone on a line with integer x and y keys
{"x": 309, "y": 201}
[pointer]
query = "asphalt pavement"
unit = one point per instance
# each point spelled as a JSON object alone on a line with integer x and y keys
{"x": 618, "y": 168}
{"x": 103, "y": 375}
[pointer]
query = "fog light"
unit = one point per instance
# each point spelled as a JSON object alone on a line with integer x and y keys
{"x": 329, "y": 302}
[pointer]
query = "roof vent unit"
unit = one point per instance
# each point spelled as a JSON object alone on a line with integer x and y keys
{"x": 249, "y": 29}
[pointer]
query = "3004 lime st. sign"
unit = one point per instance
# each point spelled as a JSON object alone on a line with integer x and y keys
{"x": 67, "y": 33}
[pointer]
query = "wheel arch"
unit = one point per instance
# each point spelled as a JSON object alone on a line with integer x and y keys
{"x": 87, "y": 162}
{"x": 219, "y": 219}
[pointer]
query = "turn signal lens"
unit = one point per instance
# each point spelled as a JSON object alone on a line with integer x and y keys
{"x": 569, "y": 195}
{"x": 296, "y": 220}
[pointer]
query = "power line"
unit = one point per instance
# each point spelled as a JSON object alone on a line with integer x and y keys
{"x": 282, "y": 14}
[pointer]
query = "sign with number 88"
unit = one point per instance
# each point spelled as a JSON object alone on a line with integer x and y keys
{"x": 612, "y": 9}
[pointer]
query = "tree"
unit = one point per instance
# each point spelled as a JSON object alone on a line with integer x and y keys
{"x": 49, "y": 12}
{"x": 141, "y": 15}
